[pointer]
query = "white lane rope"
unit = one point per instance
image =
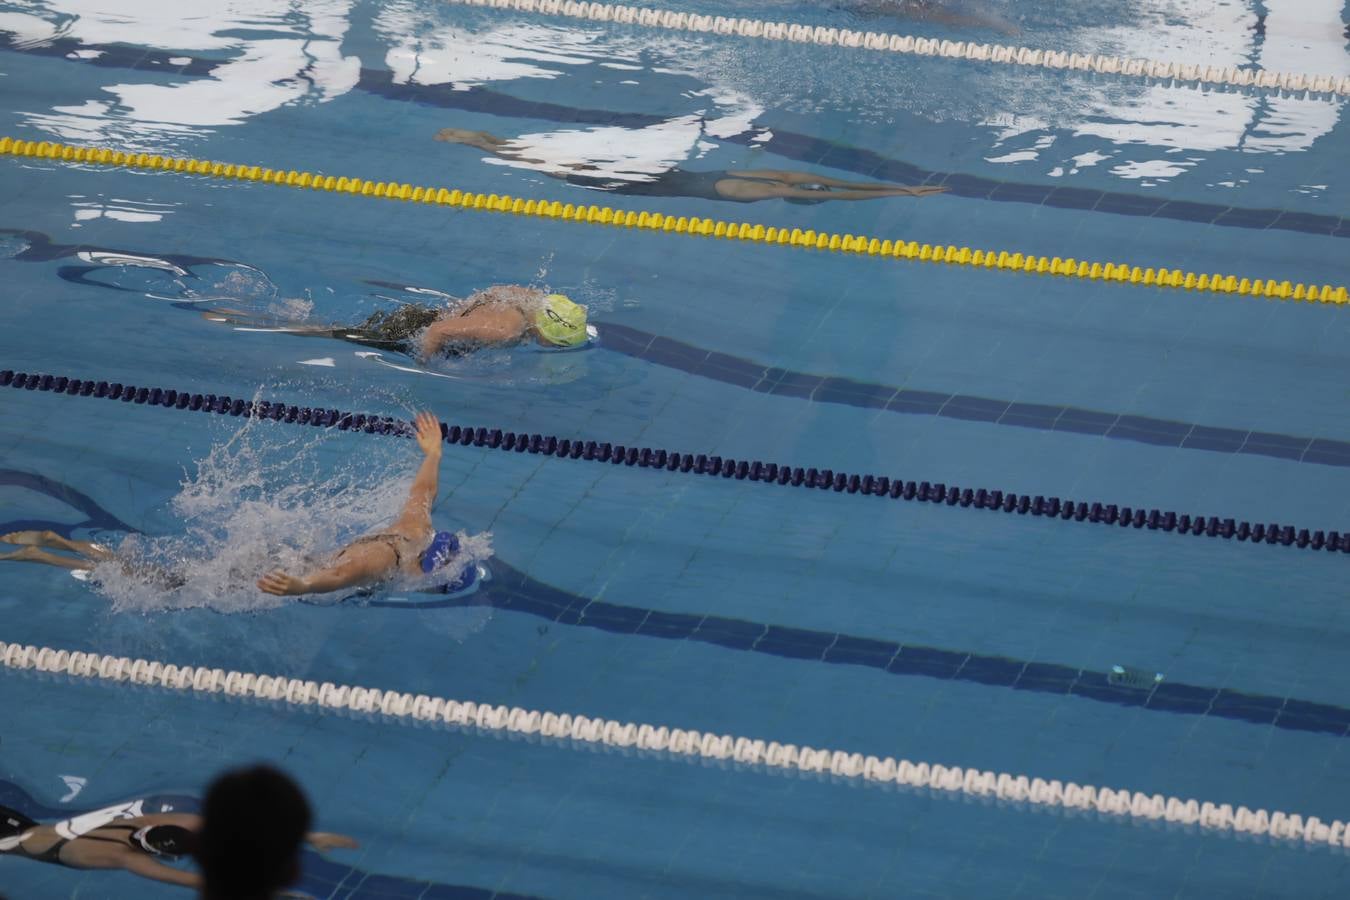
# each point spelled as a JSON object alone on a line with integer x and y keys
{"x": 1123, "y": 805}
{"x": 918, "y": 46}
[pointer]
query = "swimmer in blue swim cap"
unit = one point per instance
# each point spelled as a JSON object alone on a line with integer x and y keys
{"x": 409, "y": 547}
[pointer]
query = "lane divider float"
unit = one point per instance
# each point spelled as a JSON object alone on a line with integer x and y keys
{"x": 917, "y": 46}
{"x": 863, "y": 245}
{"x": 700, "y": 464}
{"x": 1122, "y": 804}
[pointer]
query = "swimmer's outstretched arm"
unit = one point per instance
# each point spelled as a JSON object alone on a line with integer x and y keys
{"x": 364, "y": 563}
{"x": 327, "y": 840}
{"x": 416, "y": 516}
{"x": 486, "y": 325}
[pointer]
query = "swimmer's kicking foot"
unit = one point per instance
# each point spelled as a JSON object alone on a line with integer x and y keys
{"x": 35, "y": 544}
{"x": 409, "y": 547}
{"x": 36, "y": 547}
{"x": 38, "y": 555}
{"x": 50, "y": 539}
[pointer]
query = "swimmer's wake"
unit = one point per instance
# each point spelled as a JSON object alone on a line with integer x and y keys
{"x": 264, "y": 508}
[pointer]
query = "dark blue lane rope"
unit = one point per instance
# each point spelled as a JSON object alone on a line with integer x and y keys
{"x": 698, "y": 464}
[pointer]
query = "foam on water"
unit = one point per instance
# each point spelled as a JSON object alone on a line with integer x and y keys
{"x": 267, "y": 497}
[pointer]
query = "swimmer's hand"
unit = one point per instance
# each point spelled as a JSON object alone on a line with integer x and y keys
{"x": 428, "y": 434}
{"x": 925, "y": 190}
{"x": 282, "y": 585}
{"x": 326, "y": 840}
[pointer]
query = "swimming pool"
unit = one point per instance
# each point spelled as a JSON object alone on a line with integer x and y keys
{"x": 939, "y": 633}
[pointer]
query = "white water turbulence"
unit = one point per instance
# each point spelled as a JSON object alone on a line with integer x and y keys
{"x": 269, "y": 496}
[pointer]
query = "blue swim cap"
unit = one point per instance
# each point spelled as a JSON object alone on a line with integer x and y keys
{"x": 443, "y": 548}
{"x": 466, "y": 579}
{"x": 440, "y": 551}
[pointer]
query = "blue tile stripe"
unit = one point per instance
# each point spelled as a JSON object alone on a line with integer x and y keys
{"x": 514, "y": 591}
{"x": 96, "y": 516}
{"x": 790, "y": 145}
{"x": 734, "y": 370}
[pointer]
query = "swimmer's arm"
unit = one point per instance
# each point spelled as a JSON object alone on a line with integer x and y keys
{"x": 345, "y": 575}
{"x": 144, "y": 866}
{"x": 422, "y": 495}
{"x": 327, "y": 840}
{"x": 485, "y": 328}
{"x": 416, "y": 516}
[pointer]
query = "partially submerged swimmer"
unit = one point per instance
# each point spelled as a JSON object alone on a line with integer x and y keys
{"x": 120, "y": 837}
{"x": 737, "y": 186}
{"x": 500, "y": 316}
{"x": 410, "y": 547}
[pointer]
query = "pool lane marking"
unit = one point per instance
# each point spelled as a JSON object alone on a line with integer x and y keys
{"x": 863, "y": 245}
{"x": 513, "y": 591}
{"x": 706, "y": 465}
{"x": 1120, "y": 805}
{"x": 918, "y": 46}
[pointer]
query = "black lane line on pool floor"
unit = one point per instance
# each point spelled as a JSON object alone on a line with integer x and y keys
{"x": 740, "y": 372}
{"x": 512, "y": 590}
{"x": 734, "y": 370}
{"x": 800, "y": 147}
{"x": 699, "y": 464}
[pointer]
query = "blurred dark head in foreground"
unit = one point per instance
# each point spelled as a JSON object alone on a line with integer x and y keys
{"x": 254, "y": 822}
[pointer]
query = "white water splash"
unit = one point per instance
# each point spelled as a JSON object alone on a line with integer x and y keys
{"x": 267, "y": 497}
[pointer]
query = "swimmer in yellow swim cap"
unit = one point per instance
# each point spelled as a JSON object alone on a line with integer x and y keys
{"x": 560, "y": 322}
{"x": 498, "y": 316}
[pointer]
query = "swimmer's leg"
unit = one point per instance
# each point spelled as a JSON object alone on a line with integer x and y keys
{"x": 38, "y": 555}
{"x": 736, "y": 189}
{"x": 796, "y": 178}
{"x": 87, "y": 549}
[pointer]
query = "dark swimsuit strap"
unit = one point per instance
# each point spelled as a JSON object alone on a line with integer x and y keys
{"x": 53, "y": 853}
{"x": 389, "y": 540}
{"x": 113, "y": 826}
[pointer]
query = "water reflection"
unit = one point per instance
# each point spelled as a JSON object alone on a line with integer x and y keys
{"x": 270, "y": 54}
{"x": 702, "y": 92}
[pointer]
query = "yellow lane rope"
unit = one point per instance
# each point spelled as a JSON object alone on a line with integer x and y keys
{"x": 1121, "y": 273}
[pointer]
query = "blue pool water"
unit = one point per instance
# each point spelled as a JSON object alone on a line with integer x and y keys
{"x": 919, "y": 631}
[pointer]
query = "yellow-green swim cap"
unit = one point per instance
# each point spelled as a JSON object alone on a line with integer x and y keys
{"x": 561, "y": 322}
